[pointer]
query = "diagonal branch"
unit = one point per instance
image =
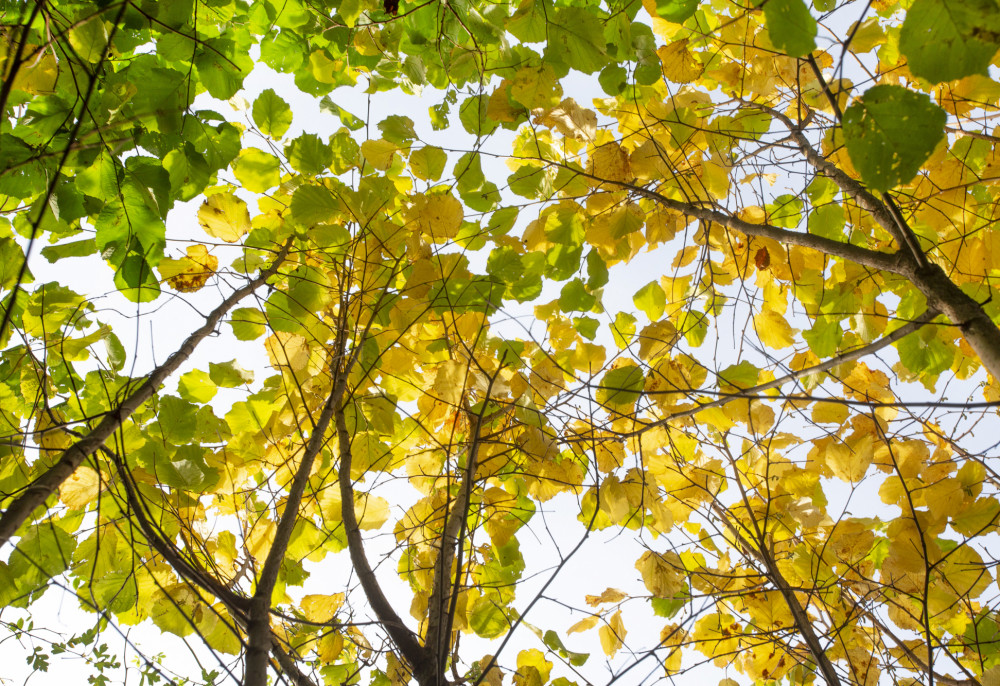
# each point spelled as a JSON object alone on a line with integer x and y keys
{"x": 406, "y": 640}
{"x": 36, "y": 493}
{"x": 848, "y": 356}
{"x": 799, "y": 614}
{"x": 259, "y": 639}
{"x": 444, "y": 593}
{"x": 237, "y": 605}
{"x": 873, "y": 259}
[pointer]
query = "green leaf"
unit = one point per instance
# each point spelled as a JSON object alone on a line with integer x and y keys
{"x": 309, "y": 155}
{"x": 938, "y": 41}
{"x": 257, "y": 170}
{"x": 677, "y": 11}
{"x": 597, "y": 270}
{"x": 248, "y": 324}
{"x": 229, "y": 374}
{"x": 346, "y": 118}
{"x": 187, "y": 470}
{"x": 11, "y": 260}
{"x": 479, "y": 294}
{"x": 651, "y": 300}
{"x": 196, "y": 387}
{"x": 737, "y": 377}
{"x": 791, "y": 26}
{"x": 176, "y": 418}
{"x": 576, "y": 40}
{"x": 81, "y": 248}
{"x": 621, "y": 388}
{"x": 785, "y": 211}
{"x": 530, "y": 181}
{"x": 428, "y": 163}
{"x": 271, "y": 114}
{"x": 586, "y": 326}
{"x": 222, "y": 68}
{"x": 487, "y": 619}
{"x": 827, "y": 221}
{"x": 613, "y": 79}
{"x": 89, "y": 39}
{"x": 473, "y": 116}
{"x": 890, "y": 133}
{"x": 575, "y": 297}
{"x": 623, "y": 329}
{"x": 397, "y": 129}
{"x": 136, "y": 281}
{"x": 824, "y": 337}
{"x": 313, "y": 204}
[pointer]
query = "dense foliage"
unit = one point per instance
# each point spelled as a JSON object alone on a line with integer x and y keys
{"x": 687, "y": 305}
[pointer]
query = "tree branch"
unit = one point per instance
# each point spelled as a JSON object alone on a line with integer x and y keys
{"x": 39, "y": 490}
{"x": 873, "y": 259}
{"x": 848, "y": 356}
{"x": 799, "y": 615}
{"x": 406, "y": 641}
{"x": 441, "y": 605}
{"x": 259, "y": 639}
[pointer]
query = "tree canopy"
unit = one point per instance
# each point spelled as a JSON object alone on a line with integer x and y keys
{"x": 642, "y": 336}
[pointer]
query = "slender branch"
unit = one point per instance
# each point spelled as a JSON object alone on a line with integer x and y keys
{"x": 916, "y": 660}
{"x": 848, "y": 356}
{"x": 444, "y": 593}
{"x": 167, "y": 548}
{"x": 941, "y": 292}
{"x": 873, "y": 259}
{"x": 436, "y": 641}
{"x": 799, "y": 615}
{"x": 406, "y": 641}
{"x": 288, "y": 665}
{"x": 259, "y": 639}
{"x": 56, "y": 174}
{"x": 237, "y": 605}
{"x": 35, "y": 494}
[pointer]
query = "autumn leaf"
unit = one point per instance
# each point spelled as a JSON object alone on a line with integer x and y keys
{"x": 188, "y": 274}
{"x": 224, "y": 216}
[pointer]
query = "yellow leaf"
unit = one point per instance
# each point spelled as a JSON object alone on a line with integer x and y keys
{"x": 189, "y": 274}
{"x": 438, "y": 215}
{"x": 260, "y": 538}
{"x": 664, "y": 575}
{"x": 80, "y": 489}
{"x": 610, "y": 595}
{"x": 991, "y": 677}
{"x": 288, "y": 350}
{"x": 612, "y": 634}
{"x": 614, "y": 499}
{"x": 679, "y": 64}
{"x": 38, "y": 75}
{"x": 450, "y": 382}
{"x": 846, "y": 463}
{"x": 379, "y": 153}
{"x": 372, "y": 512}
{"x": 584, "y": 624}
{"x": 610, "y": 162}
{"x": 829, "y": 413}
{"x": 499, "y": 107}
{"x": 773, "y": 330}
{"x": 330, "y": 647}
{"x": 570, "y": 120}
{"x": 494, "y": 677}
{"x": 532, "y": 664}
{"x": 49, "y": 433}
{"x": 322, "y": 608}
{"x": 224, "y": 216}
{"x": 656, "y": 340}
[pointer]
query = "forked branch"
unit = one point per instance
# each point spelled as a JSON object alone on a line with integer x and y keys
{"x": 37, "y": 492}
